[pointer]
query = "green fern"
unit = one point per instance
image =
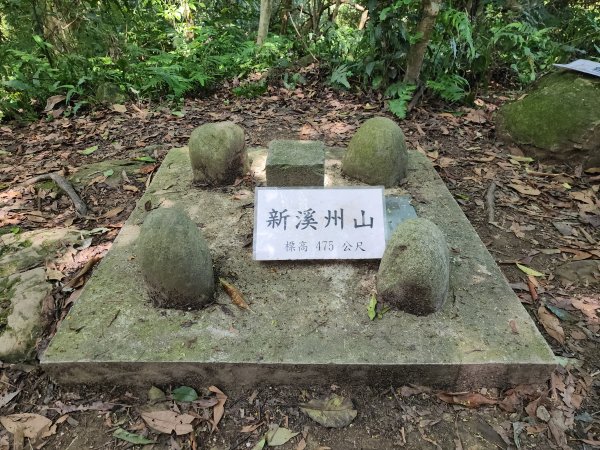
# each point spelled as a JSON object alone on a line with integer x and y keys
{"x": 401, "y": 94}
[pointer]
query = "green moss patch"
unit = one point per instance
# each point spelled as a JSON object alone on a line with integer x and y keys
{"x": 559, "y": 119}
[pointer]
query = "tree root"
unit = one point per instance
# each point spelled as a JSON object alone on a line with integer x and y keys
{"x": 489, "y": 202}
{"x": 61, "y": 182}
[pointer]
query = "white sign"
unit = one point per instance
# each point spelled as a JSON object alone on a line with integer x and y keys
{"x": 319, "y": 223}
{"x": 582, "y": 65}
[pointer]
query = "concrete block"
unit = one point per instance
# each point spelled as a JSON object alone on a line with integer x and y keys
{"x": 309, "y": 321}
{"x": 295, "y": 163}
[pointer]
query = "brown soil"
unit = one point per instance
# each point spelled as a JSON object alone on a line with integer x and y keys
{"x": 529, "y": 199}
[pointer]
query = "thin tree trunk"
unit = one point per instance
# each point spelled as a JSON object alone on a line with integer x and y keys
{"x": 263, "y": 23}
{"x": 416, "y": 53}
{"x": 285, "y": 8}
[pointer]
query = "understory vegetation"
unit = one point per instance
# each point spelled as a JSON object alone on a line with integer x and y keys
{"x": 67, "y": 55}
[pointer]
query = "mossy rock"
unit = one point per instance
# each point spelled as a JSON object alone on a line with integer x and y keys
{"x": 217, "y": 153}
{"x": 109, "y": 93}
{"x": 558, "y": 120}
{"x": 24, "y": 251}
{"x": 21, "y": 318}
{"x": 175, "y": 261}
{"x": 414, "y": 272}
{"x": 114, "y": 168}
{"x": 377, "y": 153}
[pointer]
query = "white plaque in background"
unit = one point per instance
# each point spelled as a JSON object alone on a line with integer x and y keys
{"x": 319, "y": 223}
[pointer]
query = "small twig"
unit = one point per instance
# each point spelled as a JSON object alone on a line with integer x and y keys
{"x": 301, "y": 38}
{"x": 489, "y": 202}
{"x": 61, "y": 182}
{"x": 85, "y": 269}
{"x": 413, "y": 102}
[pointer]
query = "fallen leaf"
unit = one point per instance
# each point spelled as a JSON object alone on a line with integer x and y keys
{"x": 525, "y": 189}
{"x": 529, "y": 271}
{"x": 51, "y": 102}
{"x": 234, "y": 293}
{"x": 168, "y": 421}
{"x": 119, "y": 108}
{"x": 130, "y": 188}
{"x": 184, "y": 394}
{"x": 371, "y": 309}
{"x": 579, "y": 254}
{"x": 260, "y": 444}
{"x": 250, "y": 428}
{"x": 155, "y": 394}
{"x": 476, "y": 116}
{"x": 219, "y": 408}
{"x": 89, "y": 150}
{"x": 6, "y": 398}
{"x": 277, "y": 435}
{"x": 54, "y": 274}
{"x": 521, "y": 159}
{"x": 124, "y": 435}
{"x": 468, "y": 399}
{"x": 408, "y": 391}
{"x": 114, "y": 212}
{"x": 32, "y": 426}
{"x": 551, "y": 324}
{"x": 145, "y": 159}
{"x": 334, "y": 411}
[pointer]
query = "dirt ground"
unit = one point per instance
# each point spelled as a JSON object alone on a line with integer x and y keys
{"x": 544, "y": 216}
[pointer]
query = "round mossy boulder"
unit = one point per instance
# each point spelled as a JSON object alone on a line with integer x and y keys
{"x": 217, "y": 153}
{"x": 175, "y": 261}
{"x": 415, "y": 268}
{"x": 376, "y": 153}
{"x": 557, "y": 121}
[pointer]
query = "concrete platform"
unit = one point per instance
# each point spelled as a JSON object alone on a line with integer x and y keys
{"x": 310, "y": 322}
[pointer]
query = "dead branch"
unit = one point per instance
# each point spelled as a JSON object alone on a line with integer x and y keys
{"x": 301, "y": 38}
{"x": 489, "y": 202}
{"x": 416, "y": 98}
{"x": 61, "y": 182}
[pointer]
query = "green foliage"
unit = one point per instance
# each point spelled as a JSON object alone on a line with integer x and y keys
{"x": 166, "y": 50}
{"x": 250, "y": 89}
{"x": 159, "y": 50}
{"x": 400, "y": 94}
{"x": 452, "y": 88}
{"x": 340, "y": 75}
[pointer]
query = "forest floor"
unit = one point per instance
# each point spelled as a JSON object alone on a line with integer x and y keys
{"x": 545, "y": 216}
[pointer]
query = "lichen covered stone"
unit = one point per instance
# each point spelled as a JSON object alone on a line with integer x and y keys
{"x": 295, "y": 163}
{"x": 415, "y": 268}
{"x": 175, "y": 261}
{"x": 376, "y": 153}
{"x": 217, "y": 153}
{"x": 557, "y": 121}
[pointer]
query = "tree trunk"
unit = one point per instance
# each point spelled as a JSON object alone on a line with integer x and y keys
{"x": 263, "y": 23}
{"x": 285, "y": 9}
{"x": 416, "y": 53}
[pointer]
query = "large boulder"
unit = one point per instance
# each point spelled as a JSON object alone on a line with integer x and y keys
{"x": 217, "y": 153}
{"x": 21, "y": 313}
{"x": 557, "y": 121}
{"x": 376, "y": 153}
{"x": 414, "y": 271}
{"x": 175, "y": 261}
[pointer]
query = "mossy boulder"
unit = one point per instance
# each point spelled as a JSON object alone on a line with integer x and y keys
{"x": 109, "y": 93}
{"x": 376, "y": 153}
{"x": 24, "y": 251}
{"x": 557, "y": 121}
{"x": 217, "y": 153}
{"x": 175, "y": 261}
{"x": 21, "y": 314}
{"x": 414, "y": 271}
